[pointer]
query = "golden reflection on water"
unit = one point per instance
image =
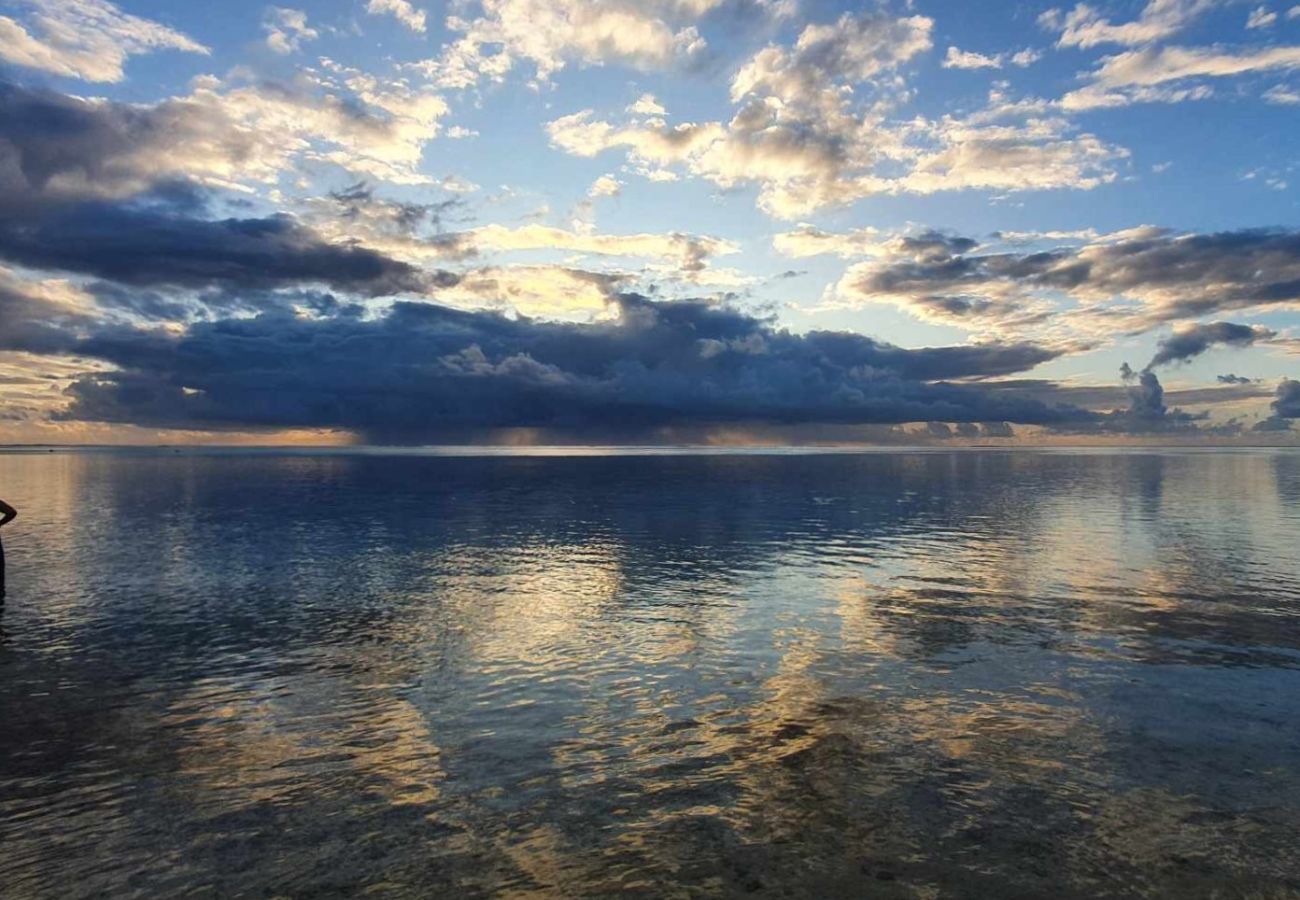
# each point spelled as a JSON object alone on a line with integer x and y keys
{"x": 964, "y": 675}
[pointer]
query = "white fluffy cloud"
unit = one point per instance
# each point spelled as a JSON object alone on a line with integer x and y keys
{"x": 402, "y": 11}
{"x": 87, "y": 39}
{"x": 814, "y": 127}
{"x": 605, "y": 186}
{"x": 550, "y": 34}
{"x": 287, "y": 29}
{"x": 647, "y": 105}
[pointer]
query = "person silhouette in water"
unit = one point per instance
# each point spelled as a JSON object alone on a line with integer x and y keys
{"x": 7, "y": 515}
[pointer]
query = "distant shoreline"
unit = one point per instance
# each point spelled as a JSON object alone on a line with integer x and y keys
{"x": 577, "y": 450}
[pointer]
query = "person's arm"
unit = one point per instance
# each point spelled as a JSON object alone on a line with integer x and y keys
{"x": 7, "y": 513}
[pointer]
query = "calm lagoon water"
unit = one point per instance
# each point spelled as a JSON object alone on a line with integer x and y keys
{"x": 904, "y": 674}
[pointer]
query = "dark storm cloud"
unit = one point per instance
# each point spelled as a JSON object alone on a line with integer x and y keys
{"x": 1140, "y": 405}
{"x": 967, "y": 361}
{"x": 421, "y": 369}
{"x": 33, "y": 323}
{"x": 358, "y": 202}
{"x": 935, "y": 246}
{"x": 366, "y": 213}
{"x": 1146, "y": 412}
{"x": 91, "y": 187}
{"x": 1174, "y": 276}
{"x": 1195, "y": 340}
{"x": 1146, "y": 396}
{"x": 152, "y": 245}
{"x": 58, "y": 149}
{"x": 1285, "y": 406}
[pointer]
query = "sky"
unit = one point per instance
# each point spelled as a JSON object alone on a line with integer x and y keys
{"x": 523, "y": 221}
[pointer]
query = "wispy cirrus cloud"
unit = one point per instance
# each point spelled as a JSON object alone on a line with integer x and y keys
{"x": 1156, "y": 73}
{"x": 1084, "y": 26}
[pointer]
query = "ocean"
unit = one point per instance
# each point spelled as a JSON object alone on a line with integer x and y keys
{"x": 904, "y": 673}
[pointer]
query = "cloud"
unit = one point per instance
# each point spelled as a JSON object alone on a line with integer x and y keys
{"x": 40, "y": 316}
{"x": 401, "y": 10}
{"x": 418, "y": 233}
{"x": 1132, "y": 281}
{"x": 813, "y": 128}
{"x": 605, "y": 186}
{"x": 1194, "y": 340}
{"x": 794, "y": 135}
{"x": 550, "y": 291}
{"x": 851, "y": 50}
{"x": 402, "y": 229}
{"x": 551, "y": 34}
{"x": 1261, "y": 17}
{"x": 55, "y": 147}
{"x": 1281, "y": 95}
{"x": 1146, "y": 413}
{"x": 693, "y": 251}
{"x": 1233, "y": 379}
{"x": 968, "y": 59}
{"x": 419, "y": 369}
{"x": 1084, "y": 27}
{"x": 1140, "y": 75}
{"x": 1285, "y": 406}
{"x": 1147, "y": 397}
{"x": 1042, "y": 153}
{"x": 1159, "y": 65}
{"x": 647, "y": 105}
{"x": 287, "y": 29}
{"x": 161, "y": 245}
{"x": 86, "y": 39}
{"x": 808, "y": 240}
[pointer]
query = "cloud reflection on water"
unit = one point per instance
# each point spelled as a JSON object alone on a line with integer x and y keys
{"x": 973, "y": 672}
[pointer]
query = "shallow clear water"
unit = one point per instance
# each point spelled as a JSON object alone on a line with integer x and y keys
{"x": 965, "y": 674}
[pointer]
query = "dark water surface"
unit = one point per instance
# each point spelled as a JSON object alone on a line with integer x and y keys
{"x": 974, "y": 674}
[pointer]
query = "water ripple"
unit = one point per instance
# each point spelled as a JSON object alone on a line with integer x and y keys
{"x": 902, "y": 675}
